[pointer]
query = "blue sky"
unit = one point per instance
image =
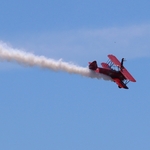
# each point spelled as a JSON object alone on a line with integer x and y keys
{"x": 42, "y": 109}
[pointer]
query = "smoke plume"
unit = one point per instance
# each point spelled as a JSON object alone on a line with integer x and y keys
{"x": 9, "y": 54}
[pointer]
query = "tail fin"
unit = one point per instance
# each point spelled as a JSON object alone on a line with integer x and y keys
{"x": 93, "y": 65}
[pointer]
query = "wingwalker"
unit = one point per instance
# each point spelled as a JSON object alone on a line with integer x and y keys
{"x": 120, "y": 75}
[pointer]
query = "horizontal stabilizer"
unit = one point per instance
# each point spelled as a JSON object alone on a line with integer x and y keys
{"x": 105, "y": 65}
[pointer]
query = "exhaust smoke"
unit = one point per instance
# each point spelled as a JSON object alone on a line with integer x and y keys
{"x": 9, "y": 54}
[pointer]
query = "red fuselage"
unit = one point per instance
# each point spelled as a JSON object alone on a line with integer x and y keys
{"x": 117, "y": 76}
{"x": 112, "y": 73}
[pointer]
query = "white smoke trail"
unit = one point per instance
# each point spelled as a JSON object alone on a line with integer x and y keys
{"x": 10, "y": 54}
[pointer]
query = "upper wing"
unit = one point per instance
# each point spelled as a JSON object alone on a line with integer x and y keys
{"x": 114, "y": 60}
{"x": 123, "y": 69}
{"x": 127, "y": 74}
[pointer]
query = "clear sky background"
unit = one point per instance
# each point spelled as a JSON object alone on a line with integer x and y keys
{"x": 42, "y": 109}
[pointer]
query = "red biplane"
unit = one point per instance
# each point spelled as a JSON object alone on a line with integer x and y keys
{"x": 120, "y": 75}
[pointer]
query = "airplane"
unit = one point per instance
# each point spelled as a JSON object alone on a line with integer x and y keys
{"x": 114, "y": 69}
